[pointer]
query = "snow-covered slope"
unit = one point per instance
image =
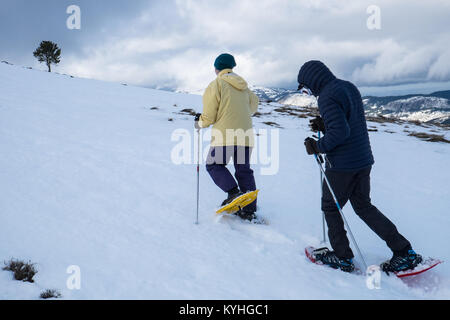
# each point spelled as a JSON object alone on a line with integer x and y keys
{"x": 86, "y": 179}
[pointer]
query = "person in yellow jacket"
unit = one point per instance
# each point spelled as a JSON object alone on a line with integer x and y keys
{"x": 228, "y": 105}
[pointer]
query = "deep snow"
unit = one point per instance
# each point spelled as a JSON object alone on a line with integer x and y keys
{"x": 86, "y": 179}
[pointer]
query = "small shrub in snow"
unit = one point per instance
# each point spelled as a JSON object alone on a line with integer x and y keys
{"x": 382, "y": 119}
{"x": 429, "y": 137}
{"x": 22, "y": 271}
{"x": 188, "y": 111}
{"x": 272, "y": 124}
{"x": 50, "y": 294}
{"x": 259, "y": 114}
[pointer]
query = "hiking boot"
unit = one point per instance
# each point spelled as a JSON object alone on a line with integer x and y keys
{"x": 232, "y": 194}
{"x": 247, "y": 215}
{"x": 402, "y": 261}
{"x": 329, "y": 258}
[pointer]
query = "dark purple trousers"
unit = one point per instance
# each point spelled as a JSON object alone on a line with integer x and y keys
{"x": 219, "y": 157}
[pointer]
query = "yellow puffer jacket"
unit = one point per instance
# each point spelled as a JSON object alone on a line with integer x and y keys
{"x": 228, "y": 105}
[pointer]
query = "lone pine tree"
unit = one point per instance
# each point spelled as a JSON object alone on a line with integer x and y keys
{"x": 49, "y": 53}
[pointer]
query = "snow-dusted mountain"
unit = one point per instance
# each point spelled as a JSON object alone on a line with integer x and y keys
{"x": 271, "y": 94}
{"x": 300, "y": 100}
{"x": 88, "y": 180}
{"x": 423, "y": 108}
{"x": 433, "y": 108}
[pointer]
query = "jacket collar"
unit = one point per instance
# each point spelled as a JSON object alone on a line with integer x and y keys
{"x": 225, "y": 71}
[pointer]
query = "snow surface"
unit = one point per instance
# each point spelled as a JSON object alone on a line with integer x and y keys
{"x": 86, "y": 179}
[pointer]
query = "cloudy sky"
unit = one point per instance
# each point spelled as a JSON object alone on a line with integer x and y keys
{"x": 173, "y": 43}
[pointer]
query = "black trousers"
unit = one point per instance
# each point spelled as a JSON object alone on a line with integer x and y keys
{"x": 355, "y": 186}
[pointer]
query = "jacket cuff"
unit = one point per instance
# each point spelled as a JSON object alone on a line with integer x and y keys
{"x": 201, "y": 122}
{"x": 319, "y": 146}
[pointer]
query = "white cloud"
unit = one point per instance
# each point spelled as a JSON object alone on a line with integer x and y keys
{"x": 270, "y": 40}
{"x": 440, "y": 69}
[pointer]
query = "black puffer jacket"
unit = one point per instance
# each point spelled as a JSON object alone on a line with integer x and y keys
{"x": 346, "y": 141}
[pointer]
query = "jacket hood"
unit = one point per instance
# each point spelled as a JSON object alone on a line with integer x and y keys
{"x": 315, "y": 75}
{"x": 233, "y": 79}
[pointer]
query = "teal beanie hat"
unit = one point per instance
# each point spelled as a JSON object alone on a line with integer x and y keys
{"x": 225, "y": 61}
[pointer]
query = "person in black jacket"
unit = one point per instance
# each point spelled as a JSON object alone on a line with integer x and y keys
{"x": 349, "y": 162}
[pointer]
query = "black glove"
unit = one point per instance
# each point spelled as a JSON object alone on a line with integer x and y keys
{"x": 317, "y": 124}
{"x": 197, "y": 119}
{"x": 311, "y": 146}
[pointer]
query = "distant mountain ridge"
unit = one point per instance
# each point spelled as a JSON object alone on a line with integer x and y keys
{"x": 433, "y": 107}
{"x": 387, "y": 99}
{"x": 271, "y": 94}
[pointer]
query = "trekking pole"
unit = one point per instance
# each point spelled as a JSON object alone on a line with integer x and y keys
{"x": 198, "y": 173}
{"x": 340, "y": 211}
{"x": 323, "y": 213}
